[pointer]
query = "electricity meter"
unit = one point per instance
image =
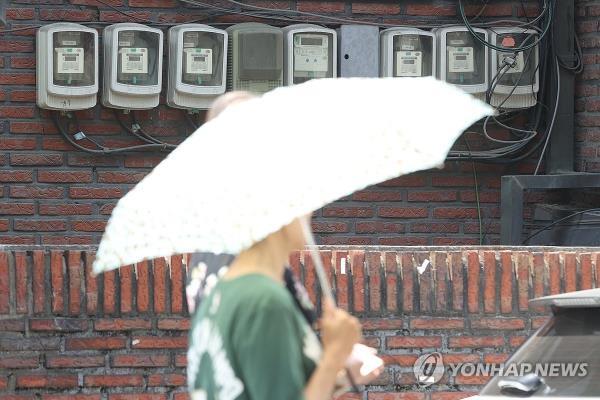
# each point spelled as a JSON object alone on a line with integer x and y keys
{"x": 514, "y": 75}
{"x": 310, "y": 51}
{"x": 197, "y": 65}
{"x": 407, "y": 52}
{"x": 255, "y": 57}
{"x": 132, "y": 66}
{"x": 462, "y": 60}
{"x": 67, "y": 66}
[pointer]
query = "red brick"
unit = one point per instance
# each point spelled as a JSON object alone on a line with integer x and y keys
{"x": 64, "y": 176}
{"x": 121, "y": 324}
{"x": 113, "y": 380}
{"x": 321, "y": 7}
{"x": 137, "y": 396}
{"x": 310, "y": 277}
{"x": 427, "y": 9}
{"x": 71, "y": 396}
{"x": 16, "y": 176}
{"x": 17, "y": 79}
{"x": 91, "y": 285}
{"x": 375, "y": 8}
{"x": 153, "y": 3}
{"x": 428, "y": 227}
{"x": 452, "y": 395}
{"x": 329, "y": 227}
{"x": 140, "y": 360}
{"x": 586, "y": 271}
{"x": 35, "y": 159}
{"x": 67, "y": 15}
{"x": 475, "y": 341}
{"x": 110, "y": 288}
{"x": 473, "y": 269}
{"x": 160, "y": 286}
{"x": 20, "y": 13}
{"x": 10, "y": 362}
{"x": 46, "y": 381}
{"x": 89, "y": 225}
{"x": 4, "y": 225}
{"x": 155, "y": 342}
{"x": 357, "y": 267}
{"x": 11, "y": 325}
{"x": 177, "y": 285}
{"x": 39, "y": 225}
{"x": 378, "y": 227}
{"x": 95, "y": 193}
{"x": 455, "y": 212}
{"x": 120, "y": 177}
{"x": 17, "y": 143}
{"x": 506, "y": 282}
{"x": 437, "y": 323}
{"x": 4, "y": 283}
{"x": 403, "y": 212}
{"x": 22, "y": 62}
{"x": 437, "y": 196}
{"x": 372, "y": 195}
{"x": 58, "y": 325}
{"x": 15, "y": 46}
{"x": 143, "y": 287}
{"x": 126, "y": 287}
{"x": 38, "y": 281}
{"x": 174, "y": 324}
{"x": 570, "y": 272}
{"x": 489, "y": 289}
{"x": 396, "y": 342}
{"x": 27, "y": 96}
{"x": 16, "y": 112}
{"x": 21, "y": 279}
{"x": 167, "y": 380}
{"x": 142, "y": 161}
{"x": 523, "y": 264}
{"x": 516, "y": 341}
{"x": 36, "y": 192}
{"x": 102, "y": 3}
{"x": 348, "y": 212}
{"x": 382, "y": 324}
{"x": 74, "y": 361}
{"x": 57, "y": 280}
{"x": 65, "y": 209}
{"x": 498, "y": 323}
{"x": 95, "y": 343}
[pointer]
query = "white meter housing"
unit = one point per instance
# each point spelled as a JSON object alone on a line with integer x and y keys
{"x": 197, "y": 65}
{"x": 132, "y": 66}
{"x": 310, "y": 51}
{"x": 67, "y": 66}
{"x": 407, "y": 52}
{"x": 255, "y": 57}
{"x": 517, "y": 72}
{"x": 462, "y": 60}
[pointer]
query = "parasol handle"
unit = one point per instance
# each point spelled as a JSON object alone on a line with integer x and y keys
{"x": 316, "y": 257}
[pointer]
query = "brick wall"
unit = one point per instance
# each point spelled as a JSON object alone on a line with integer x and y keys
{"x": 51, "y": 194}
{"x": 66, "y": 335}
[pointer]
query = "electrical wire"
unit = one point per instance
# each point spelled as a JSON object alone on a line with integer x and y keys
{"x": 547, "y": 8}
{"x": 102, "y": 149}
{"x": 134, "y": 121}
{"x": 550, "y": 128}
{"x": 557, "y": 222}
{"x": 476, "y": 187}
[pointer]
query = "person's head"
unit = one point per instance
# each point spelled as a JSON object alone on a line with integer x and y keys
{"x": 225, "y": 100}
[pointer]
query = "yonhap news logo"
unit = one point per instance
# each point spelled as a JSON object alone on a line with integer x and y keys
{"x": 430, "y": 368}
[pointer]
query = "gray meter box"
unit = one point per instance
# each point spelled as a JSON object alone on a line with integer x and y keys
{"x": 358, "y": 51}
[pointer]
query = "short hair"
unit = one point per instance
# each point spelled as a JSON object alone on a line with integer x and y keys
{"x": 225, "y": 100}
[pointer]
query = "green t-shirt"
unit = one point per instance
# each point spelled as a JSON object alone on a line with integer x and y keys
{"x": 250, "y": 342}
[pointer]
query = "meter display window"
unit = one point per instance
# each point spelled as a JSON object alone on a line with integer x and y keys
{"x": 522, "y": 71}
{"x": 260, "y": 56}
{"x": 202, "y": 58}
{"x": 137, "y": 58}
{"x": 412, "y": 55}
{"x": 465, "y": 59}
{"x": 73, "y": 58}
{"x": 313, "y": 56}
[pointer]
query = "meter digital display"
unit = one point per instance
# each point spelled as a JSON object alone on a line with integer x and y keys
{"x": 71, "y": 66}
{"x": 137, "y": 60}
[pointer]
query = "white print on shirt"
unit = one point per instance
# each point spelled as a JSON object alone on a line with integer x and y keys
{"x": 207, "y": 340}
